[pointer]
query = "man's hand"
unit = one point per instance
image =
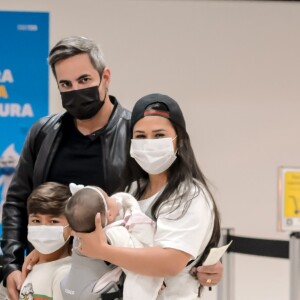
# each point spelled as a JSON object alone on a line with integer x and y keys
{"x": 13, "y": 284}
{"x": 209, "y": 275}
{"x": 30, "y": 260}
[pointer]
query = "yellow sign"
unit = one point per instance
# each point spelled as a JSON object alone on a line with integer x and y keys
{"x": 292, "y": 194}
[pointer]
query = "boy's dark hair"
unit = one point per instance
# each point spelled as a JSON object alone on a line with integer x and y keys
{"x": 82, "y": 208}
{"x": 48, "y": 198}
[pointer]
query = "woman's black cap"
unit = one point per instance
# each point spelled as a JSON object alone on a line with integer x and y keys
{"x": 173, "y": 112}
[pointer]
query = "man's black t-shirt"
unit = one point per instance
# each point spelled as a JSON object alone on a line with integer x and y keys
{"x": 78, "y": 158}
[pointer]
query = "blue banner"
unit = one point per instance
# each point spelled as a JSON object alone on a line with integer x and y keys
{"x": 23, "y": 84}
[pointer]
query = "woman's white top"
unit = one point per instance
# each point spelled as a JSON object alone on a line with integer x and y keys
{"x": 189, "y": 233}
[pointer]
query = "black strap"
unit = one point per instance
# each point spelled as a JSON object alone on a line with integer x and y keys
{"x": 260, "y": 247}
{"x": 191, "y": 261}
{"x": 118, "y": 295}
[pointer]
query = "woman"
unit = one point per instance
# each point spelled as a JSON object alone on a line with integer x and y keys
{"x": 162, "y": 173}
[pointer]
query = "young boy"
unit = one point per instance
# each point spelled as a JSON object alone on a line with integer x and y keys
{"x": 48, "y": 232}
{"x": 125, "y": 226}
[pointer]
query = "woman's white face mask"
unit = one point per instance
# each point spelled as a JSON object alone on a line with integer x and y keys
{"x": 46, "y": 238}
{"x": 153, "y": 155}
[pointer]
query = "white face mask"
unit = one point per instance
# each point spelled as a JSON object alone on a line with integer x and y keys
{"x": 46, "y": 238}
{"x": 153, "y": 155}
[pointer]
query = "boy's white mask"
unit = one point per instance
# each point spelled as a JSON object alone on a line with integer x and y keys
{"x": 46, "y": 238}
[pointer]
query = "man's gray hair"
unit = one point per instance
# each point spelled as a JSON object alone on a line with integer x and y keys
{"x": 73, "y": 45}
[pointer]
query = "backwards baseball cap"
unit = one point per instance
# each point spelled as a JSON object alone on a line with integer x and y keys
{"x": 157, "y": 105}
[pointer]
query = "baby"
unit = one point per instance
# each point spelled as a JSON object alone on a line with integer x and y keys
{"x": 125, "y": 226}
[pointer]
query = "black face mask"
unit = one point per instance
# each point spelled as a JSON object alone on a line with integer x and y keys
{"x": 82, "y": 104}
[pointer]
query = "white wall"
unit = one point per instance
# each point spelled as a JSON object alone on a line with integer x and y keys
{"x": 234, "y": 68}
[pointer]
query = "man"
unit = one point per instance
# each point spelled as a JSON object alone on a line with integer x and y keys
{"x": 86, "y": 145}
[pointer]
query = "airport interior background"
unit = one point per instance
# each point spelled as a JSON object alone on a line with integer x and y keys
{"x": 234, "y": 68}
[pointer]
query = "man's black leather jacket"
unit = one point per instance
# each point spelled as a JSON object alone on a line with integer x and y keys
{"x": 39, "y": 149}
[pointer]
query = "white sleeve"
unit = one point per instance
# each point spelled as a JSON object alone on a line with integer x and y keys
{"x": 60, "y": 273}
{"x": 126, "y": 200}
{"x": 120, "y": 237}
{"x": 189, "y": 232}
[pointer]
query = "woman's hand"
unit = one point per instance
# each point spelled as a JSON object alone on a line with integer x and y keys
{"x": 30, "y": 260}
{"x": 92, "y": 244}
{"x": 209, "y": 275}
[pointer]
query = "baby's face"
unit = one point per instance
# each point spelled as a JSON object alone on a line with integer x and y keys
{"x": 113, "y": 210}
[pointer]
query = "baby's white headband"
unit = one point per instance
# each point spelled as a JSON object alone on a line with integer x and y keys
{"x": 77, "y": 187}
